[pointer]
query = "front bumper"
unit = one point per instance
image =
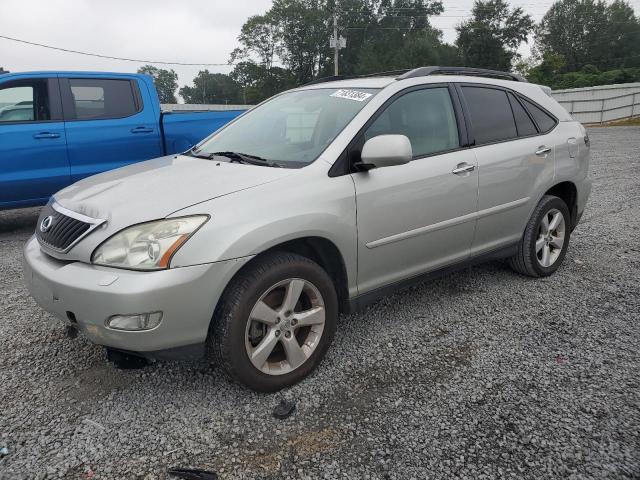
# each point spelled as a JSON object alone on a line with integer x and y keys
{"x": 90, "y": 294}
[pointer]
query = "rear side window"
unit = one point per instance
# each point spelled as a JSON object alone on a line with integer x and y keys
{"x": 425, "y": 116}
{"x": 545, "y": 121}
{"x": 96, "y": 99}
{"x": 523, "y": 121}
{"x": 491, "y": 114}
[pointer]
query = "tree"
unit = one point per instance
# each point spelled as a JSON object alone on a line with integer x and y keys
{"x": 620, "y": 40}
{"x": 381, "y": 35}
{"x": 304, "y": 32}
{"x": 490, "y": 39}
{"x": 166, "y": 82}
{"x": 590, "y": 32}
{"x": 212, "y": 88}
{"x": 2, "y": 70}
{"x": 552, "y": 64}
{"x": 260, "y": 37}
{"x": 400, "y": 36}
{"x": 261, "y": 42}
{"x": 257, "y": 82}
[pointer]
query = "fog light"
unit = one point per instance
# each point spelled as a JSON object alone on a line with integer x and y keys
{"x": 140, "y": 321}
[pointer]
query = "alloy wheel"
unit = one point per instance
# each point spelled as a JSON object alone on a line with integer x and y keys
{"x": 285, "y": 326}
{"x": 551, "y": 237}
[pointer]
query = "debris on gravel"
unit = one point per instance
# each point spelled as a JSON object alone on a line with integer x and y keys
{"x": 481, "y": 374}
{"x": 192, "y": 474}
{"x": 284, "y": 409}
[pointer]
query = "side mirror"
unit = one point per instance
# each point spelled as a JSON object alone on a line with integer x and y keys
{"x": 386, "y": 151}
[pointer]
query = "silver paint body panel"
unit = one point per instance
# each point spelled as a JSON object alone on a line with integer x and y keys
{"x": 388, "y": 223}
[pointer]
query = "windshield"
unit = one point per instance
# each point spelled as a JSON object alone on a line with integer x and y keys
{"x": 292, "y": 129}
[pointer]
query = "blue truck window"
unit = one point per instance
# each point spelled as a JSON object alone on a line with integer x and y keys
{"x": 96, "y": 99}
{"x": 24, "y": 102}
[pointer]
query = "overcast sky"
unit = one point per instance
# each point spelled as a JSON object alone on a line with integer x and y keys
{"x": 188, "y": 31}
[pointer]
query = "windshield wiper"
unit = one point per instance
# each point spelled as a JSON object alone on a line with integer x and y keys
{"x": 234, "y": 157}
{"x": 196, "y": 153}
{"x": 246, "y": 158}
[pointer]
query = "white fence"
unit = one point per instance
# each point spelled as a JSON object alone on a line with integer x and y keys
{"x": 602, "y": 103}
{"x": 182, "y": 107}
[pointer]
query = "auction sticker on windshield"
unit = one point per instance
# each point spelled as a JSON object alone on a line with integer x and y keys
{"x": 351, "y": 95}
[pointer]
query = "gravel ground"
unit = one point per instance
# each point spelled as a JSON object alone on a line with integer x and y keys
{"x": 483, "y": 374}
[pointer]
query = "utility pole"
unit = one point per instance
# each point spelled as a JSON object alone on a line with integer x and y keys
{"x": 336, "y": 42}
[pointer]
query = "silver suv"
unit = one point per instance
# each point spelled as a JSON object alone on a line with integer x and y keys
{"x": 315, "y": 202}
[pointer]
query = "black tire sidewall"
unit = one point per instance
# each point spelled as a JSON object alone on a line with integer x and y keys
{"x": 244, "y": 370}
{"x": 548, "y": 204}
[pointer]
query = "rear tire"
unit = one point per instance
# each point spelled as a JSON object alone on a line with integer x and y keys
{"x": 545, "y": 240}
{"x": 274, "y": 322}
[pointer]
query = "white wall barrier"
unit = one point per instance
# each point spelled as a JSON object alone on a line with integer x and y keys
{"x": 182, "y": 107}
{"x": 601, "y": 104}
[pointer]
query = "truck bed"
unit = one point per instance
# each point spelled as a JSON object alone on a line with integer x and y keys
{"x": 180, "y": 127}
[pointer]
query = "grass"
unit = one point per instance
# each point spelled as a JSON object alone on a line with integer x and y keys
{"x": 635, "y": 121}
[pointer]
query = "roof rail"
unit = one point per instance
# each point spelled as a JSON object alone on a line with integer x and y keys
{"x": 478, "y": 72}
{"x": 332, "y": 78}
{"x": 426, "y": 71}
{"x": 388, "y": 73}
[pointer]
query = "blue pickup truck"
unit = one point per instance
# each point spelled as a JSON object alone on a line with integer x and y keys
{"x": 59, "y": 127}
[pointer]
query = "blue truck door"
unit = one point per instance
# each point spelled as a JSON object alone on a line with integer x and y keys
{"x": 108, "y": 124}
{"x": 33, "y": 148}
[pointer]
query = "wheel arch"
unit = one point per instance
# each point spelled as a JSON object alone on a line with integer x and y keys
{"x": 568, "y": 192}
{"x": 322, "y": 251}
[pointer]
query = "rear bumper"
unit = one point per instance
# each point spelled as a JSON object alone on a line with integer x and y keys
{"x": 91, "y": 294}
{"x": 583, "y": 196}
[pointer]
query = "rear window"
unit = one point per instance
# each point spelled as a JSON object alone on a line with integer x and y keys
{"x": 545, "y": 121}
{"x": 491, "y": 115}
{"x": 96, "y": 99}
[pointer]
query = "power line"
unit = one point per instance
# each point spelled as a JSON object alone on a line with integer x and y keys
{"x": 435, "y": 27}
{"x": 408, "y": 15}
{"x": 463, "y": 9}
{"x": 67, "y": 50}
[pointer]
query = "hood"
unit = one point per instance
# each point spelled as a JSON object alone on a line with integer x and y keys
{"x": 156, "y": 188}
{"x": 152, "y": 190}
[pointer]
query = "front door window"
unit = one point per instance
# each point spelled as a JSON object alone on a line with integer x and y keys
{"x": 25, "y": 102}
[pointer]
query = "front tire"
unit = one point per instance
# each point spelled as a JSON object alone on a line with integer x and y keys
{"x": 545, "y": 240}
{"x": 275, "y": 322}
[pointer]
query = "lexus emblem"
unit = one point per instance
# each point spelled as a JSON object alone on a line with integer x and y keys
{"x": 46, "y": 223}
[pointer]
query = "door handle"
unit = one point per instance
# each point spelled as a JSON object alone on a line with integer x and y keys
{"x": 463, "y": 168}
{"x": 41, "y": 135}
{"x": 141, "y": 130}
{"x": 542, "y": 150}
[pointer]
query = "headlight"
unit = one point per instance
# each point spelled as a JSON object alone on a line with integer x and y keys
{"x": 148, "y": 246}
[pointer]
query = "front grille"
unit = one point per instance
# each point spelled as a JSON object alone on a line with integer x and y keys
{"x": 58, "y": 231}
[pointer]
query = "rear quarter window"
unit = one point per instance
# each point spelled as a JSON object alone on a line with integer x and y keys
{"x": 523, "y": 121}
{"x": 545, "y": 121}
